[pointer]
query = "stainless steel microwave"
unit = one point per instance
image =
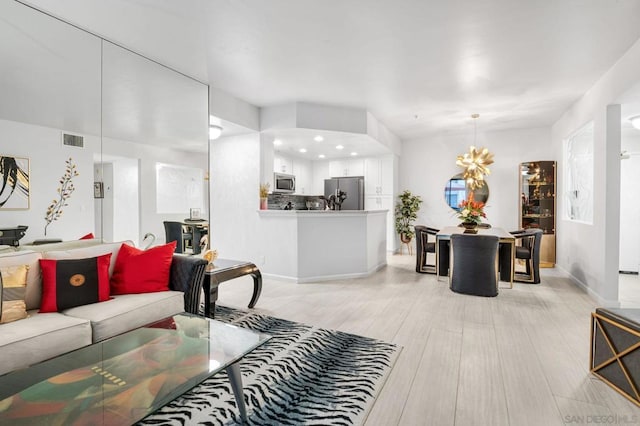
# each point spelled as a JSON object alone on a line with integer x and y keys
{"x": 284, "y": 183}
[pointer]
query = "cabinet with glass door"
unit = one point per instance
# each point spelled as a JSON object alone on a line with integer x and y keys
{"x": 538, "y": 205}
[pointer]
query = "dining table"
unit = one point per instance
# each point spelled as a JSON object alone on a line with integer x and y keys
{"x": 506, "y": 252}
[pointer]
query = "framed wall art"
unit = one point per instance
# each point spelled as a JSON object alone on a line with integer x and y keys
{"x": 195, "y": 214}
{"x": 14, "y": 183}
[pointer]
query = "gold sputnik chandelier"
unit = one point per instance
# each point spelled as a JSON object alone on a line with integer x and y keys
{"x": 475, "y": 162}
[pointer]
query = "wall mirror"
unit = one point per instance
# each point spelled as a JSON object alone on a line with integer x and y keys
{"x": 130, "y": 113}
{"x": 153, "y": 119}
{"x": 50, "y": 85}
{"x": 456, "y": 190}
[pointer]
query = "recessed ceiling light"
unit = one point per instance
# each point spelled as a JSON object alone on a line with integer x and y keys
{"x": 214, "y": 132}
{"x": 635, "y": 121}
{"x": 354, "y": 154}
{"x": 303, "y": 150}
{"x": 321, "y": 156}
{"x": 339, "y": 147}
{"x": 277, "y": 142}
{"x": 318, "y": 138}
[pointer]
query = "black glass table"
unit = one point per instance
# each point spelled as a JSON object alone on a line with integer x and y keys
{"x": 121, "y": 380}
{"x": 224, "y": 270}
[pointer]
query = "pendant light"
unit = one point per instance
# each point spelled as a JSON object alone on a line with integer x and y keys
{"x": 475, "y": 162}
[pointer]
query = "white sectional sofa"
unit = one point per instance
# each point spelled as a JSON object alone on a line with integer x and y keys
{"x": 45, "y": 335}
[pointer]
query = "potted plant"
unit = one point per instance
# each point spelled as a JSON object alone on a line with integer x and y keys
{"x": 406, "y": 212}
{"x": 264, "y": 192}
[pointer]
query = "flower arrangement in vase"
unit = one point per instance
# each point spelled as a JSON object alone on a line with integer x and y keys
{"x": 471, "y": 212}
{"x": 264, "y": 192}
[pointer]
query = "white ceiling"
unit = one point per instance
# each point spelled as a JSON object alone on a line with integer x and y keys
{"x": 293, "y": 140}
{"x": 420, "y": 66}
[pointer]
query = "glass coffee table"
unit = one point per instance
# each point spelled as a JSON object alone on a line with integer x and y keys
{"x": 121, "y": 380}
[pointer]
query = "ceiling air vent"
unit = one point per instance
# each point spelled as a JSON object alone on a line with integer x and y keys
{"x": 73, "y": 140}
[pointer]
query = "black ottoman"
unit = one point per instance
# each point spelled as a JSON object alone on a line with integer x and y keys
{"x": 615, "y": 349}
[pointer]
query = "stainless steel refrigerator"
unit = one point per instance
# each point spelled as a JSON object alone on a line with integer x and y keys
{"x": 352, "y": 186}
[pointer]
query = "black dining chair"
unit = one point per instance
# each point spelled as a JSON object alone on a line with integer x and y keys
{"x": 474, "y": 264}
{"x": 188, "y": 236}
{"x": 174, "y": 231}
{"x": 528, "y": 243}
{"x": 424, "y": 247}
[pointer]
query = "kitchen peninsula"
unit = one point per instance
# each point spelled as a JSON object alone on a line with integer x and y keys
{"x": 318, "y": 245}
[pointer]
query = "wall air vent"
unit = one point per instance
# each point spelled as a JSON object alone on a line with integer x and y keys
{"x": 73, "y": 140}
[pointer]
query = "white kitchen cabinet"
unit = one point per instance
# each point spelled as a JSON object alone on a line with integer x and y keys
{"x": 338, "y": 168}
{"x": 282, "y": 164}
{"x": 320, "y": 173}
{"x": 302, "y": 169}
{"x": 371, "y": 202}
{"x": 386, "y": 175}
{"x": 299, "y": 167}
{"x": 356, "y": 167}
{"x": 346, "y": 167}
{"x": 371, "y": 176}
{"x": 378, "y": 175}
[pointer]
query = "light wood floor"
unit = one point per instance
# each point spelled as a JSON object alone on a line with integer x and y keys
{"x": 629, "y": 290}
{"x": 521, "y": 358}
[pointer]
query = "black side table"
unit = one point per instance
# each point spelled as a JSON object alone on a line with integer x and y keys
{"x": 224, "y": 270}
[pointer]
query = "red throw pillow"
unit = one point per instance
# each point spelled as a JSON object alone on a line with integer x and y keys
{"x": 142, "y": 271}
{"x": 74, "y": 282}
{"x": 89, "y": 236}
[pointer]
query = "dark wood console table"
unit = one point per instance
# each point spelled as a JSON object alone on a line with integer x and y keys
{"x": 224, "y": 270}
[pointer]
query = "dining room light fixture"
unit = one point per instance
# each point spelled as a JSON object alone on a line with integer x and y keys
{"x": 214, "y": 132}
{"x": 635, "y": 121}
{"x": 475, "y": 162}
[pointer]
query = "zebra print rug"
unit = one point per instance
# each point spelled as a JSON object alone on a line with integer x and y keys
{"x": 303, "y": 375}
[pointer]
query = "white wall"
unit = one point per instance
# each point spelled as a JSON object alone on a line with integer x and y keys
{"x": 426, "y": 165}
{"x": 235, "y": 179}
{"x": 590, "y": 252}
{"x": 227, "y": 107}
{"x": 126, "y": 193}
{"x": 630, "y": 205}
{"x": 43, "y": 146}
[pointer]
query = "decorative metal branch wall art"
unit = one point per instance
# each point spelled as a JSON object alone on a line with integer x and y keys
{"x": 66, "y": 188}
